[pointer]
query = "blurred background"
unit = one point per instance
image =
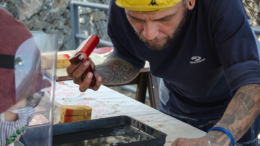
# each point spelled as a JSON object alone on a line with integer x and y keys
{"x": 53, "y": 17}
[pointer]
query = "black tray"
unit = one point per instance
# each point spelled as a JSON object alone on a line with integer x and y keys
{"x": 78, "y": 132}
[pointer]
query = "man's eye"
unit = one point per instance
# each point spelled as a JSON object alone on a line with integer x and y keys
{"x": 137, "y": 20}
{"x": 163, "y": 20}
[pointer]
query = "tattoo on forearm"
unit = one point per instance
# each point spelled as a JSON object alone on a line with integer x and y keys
{"x": 240, "y": 114}
{"x": 115, "y": 71}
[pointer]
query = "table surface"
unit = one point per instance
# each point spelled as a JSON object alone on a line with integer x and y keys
{"x": 108, "y": 103}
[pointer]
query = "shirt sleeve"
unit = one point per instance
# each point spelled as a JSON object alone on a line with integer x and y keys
{"x": 235, "y": 43}
{"x": 117, "y": 28}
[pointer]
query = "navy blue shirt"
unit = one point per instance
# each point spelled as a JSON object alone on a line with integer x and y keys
{"x": 215, "y": 53}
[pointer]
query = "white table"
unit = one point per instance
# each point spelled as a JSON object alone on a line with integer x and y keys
{"x": 107, "y": 103}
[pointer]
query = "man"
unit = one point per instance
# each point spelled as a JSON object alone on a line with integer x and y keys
{"x": 21, "y": 80}
{"x": 207, "y": 55}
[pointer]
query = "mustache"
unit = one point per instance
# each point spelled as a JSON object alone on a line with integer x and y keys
{"x": 155, "y": 47}
{"x": 155, "y": 39}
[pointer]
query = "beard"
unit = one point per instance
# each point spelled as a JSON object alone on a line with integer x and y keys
{"x": 168, "y": 39}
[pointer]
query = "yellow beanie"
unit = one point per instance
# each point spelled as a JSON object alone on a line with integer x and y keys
{"x": 147, "y": 6}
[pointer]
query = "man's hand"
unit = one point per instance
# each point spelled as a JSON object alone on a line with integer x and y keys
{"x": 76, "y": 71}
{"x": 191, "y": 142}
{"x": 113, "y": 71}
{"x": 203, "y": 141}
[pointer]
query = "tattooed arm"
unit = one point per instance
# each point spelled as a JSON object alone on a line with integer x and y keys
{"x": 240, "y": 114}
{"x": 116, "y": 71}
{"x": 238, "y": 118}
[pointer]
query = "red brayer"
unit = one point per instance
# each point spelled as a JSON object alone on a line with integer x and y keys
{"x": 82, "y": 53}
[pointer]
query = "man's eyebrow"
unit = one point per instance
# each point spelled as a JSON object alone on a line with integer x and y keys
{"x": 160, "y": 19}
{"x": 134, "y": 17}
{"x": 165, "y": 17}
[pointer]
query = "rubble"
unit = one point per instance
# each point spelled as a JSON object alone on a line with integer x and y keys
{"x": 27, "y": 8}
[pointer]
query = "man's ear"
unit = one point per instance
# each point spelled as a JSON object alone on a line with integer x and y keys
{"x": 190, "y": 4}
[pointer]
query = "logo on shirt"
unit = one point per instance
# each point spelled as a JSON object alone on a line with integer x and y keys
{"x": 153, "y": 2}
{"x": 196, "y": 59}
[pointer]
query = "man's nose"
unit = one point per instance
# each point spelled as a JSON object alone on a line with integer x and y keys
{"x": 150, "y": 31}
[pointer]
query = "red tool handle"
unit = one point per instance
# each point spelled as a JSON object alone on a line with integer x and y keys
{"x": 89, "y": 45}
{"x": 83, "y": 52}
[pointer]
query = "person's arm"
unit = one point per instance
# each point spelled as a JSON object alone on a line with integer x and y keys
{"x": 113, "y": 71}
{"x": 116, "y": 71}
{"x": 239, "y": 116}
